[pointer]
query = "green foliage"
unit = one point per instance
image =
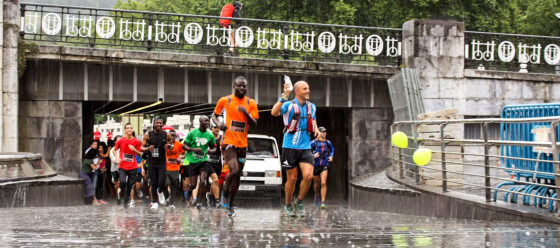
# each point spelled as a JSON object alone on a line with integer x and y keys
{"x": 24, "y": 48}
{"x": 509, "y": 16}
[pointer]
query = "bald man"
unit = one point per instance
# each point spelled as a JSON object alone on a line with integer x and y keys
{"x": 299, "y": 127}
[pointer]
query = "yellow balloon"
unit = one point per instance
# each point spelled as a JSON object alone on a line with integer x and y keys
{"x": 399, "y": 139}
{"x": 422, "y": 156}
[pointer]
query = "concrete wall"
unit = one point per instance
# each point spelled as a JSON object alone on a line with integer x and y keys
{"x": 53, "y": 129}
{"x": 436, "y": 48}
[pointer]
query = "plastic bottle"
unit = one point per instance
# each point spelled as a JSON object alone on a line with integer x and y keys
{"x": 289, "y": 82}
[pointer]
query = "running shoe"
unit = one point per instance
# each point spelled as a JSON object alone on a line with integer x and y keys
{"x": 172, "y": 206}
{"x": 317, "y": 200}
{"x": 199, "y": 206}
{"x": 161, "y": 198}
{"x": 154, "y": 206}
{"x": 288, "y": 211}
{"x": 323, "y": 205}
{"x": 231, "y": 212}
{"x": 298, "y": 207}
{"x": 131, "y": 204}
{"x": 102, "y": 202}
{"x": 194, "y": 202}
{"x": 225, "y": 206}
{"x": 140, "y": 194}
{"x": 119, "y": 201}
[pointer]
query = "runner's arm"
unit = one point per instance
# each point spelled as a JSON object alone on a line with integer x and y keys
{"x": 252, "y": 121}
{"x": 331, "y": 148}
{"x": 277, "y": 108}
{"x": 145, "y": 146}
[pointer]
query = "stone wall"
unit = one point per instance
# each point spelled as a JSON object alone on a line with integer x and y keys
{"x": 53, "y": 129}
{"x": 369, "y": 144}
{"x": 436, "y": 49}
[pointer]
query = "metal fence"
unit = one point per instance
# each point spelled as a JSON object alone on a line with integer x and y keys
{"x": 198, "y": 34}
{"x": 512, "y": 52}
{"x": 480, "y": 166}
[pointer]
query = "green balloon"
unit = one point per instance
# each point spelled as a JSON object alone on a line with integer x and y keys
{"x": 422, "y": 156}
{"x": 399, "y": 139}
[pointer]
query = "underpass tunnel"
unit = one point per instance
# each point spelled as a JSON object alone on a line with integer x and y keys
{"x": 60, "y": 100}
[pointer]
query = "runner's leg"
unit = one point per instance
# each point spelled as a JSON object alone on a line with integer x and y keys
{"x": 154, "y": 182}
{"x": 214, "y": 188}
{"x": 291, "y": 178}
{"x": 316, "y": 184}
{"x": 230, "y": 158}
{"x": 324, "y": 176}
{"x": 307, "y": 176}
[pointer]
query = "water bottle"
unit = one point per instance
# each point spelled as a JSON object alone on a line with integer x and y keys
{"x": 289, "y": 82}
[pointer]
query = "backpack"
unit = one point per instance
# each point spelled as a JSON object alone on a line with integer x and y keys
{"x": 227, "y": 11}
{"x": 292, "y": 125}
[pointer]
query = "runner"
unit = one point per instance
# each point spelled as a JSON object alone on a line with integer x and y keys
{"x": 215, "y": 160}
{"x": 173, "y": 163}
{"x": 198, "y": 143}
{"x": 156, "y": 142}
{"x": 109, "y": 135}
{"x": 323, "y": 152}
{"x": 96, "y": 134}
{"x": 128, "y": 147}
{"x": 300, "y": 124}
{"x": 115, "y": 169}
{"x": 240, "y": 113}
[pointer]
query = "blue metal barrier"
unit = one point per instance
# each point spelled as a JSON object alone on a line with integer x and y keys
{"x": 526, "y": 132}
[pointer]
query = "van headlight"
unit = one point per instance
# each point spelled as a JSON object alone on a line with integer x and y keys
{"x": 272, "y": 173}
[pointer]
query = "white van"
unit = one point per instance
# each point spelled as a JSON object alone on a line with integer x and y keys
{"x": 262, "y": 175}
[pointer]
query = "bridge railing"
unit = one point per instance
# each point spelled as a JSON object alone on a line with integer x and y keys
{"x": 511, "y": 160}
{"x": 512, "y": 52}
{"x": 198, "y": 34}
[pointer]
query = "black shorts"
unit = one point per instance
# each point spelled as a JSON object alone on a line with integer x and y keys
{"x": 318, "y": 169}
{"x": 184, "y": 172}
{"x": 139, "y": 177}
{"x": 196, "y": 168}
{"x": 115, "y": 175}
{"x": 292, "y": 157}
{"x": 216, "y": 168}
{"x": 228, "y": 151}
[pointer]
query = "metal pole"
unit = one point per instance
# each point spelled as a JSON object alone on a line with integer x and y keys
{"x": 553, "y": 135}
{"x": 443, "y": 165}
{"x": 416, "y": 168}
{"x": 486, "y": 164}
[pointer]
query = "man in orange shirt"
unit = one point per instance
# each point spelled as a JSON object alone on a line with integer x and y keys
{"x": 173, "y": 163}
{"x": 240, "y": 112}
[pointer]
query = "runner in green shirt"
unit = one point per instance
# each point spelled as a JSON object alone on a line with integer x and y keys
{"x": 198, "y": 143}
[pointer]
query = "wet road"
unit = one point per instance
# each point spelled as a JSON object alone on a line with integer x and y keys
{"x": 111, "y": 225}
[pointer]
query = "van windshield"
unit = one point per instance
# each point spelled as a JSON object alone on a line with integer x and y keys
{"x": 263, "y": 148}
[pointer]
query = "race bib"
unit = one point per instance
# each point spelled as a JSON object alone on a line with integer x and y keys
{"x": 155, "y": 154}
{"x": 197, "y": 156}
{"x": 172, "y": 161}
{"x": 128, "y": 157}
{"x": 237, "y": 126}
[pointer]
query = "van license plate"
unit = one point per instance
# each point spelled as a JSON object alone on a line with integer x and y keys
{"x": 247, "y": 187}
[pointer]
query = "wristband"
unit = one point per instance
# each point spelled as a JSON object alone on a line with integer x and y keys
{"x": 282, "y": 100}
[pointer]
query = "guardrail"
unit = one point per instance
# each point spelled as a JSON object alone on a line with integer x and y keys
{"x": 23, "y": 166}
{"x": 198, "y": 34}
{"x": 512, "y": 52}
{"x": 482, "y": 165}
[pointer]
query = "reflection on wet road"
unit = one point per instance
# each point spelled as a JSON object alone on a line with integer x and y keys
{"x": 112, "y": 225}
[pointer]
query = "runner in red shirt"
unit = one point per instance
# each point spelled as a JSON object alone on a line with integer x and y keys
{"x": 96, "y": 134}
{"x": 109, "y": 135}
{"x": 128, "y": 147}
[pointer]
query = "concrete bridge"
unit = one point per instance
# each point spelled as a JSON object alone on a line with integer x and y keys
{"x": 102, "y": 62}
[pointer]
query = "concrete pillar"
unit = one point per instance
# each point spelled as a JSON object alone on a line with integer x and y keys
{"x": 437, "y": 49}
{"x": 369, "y": 144}
{"x": 9, "y": 77}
